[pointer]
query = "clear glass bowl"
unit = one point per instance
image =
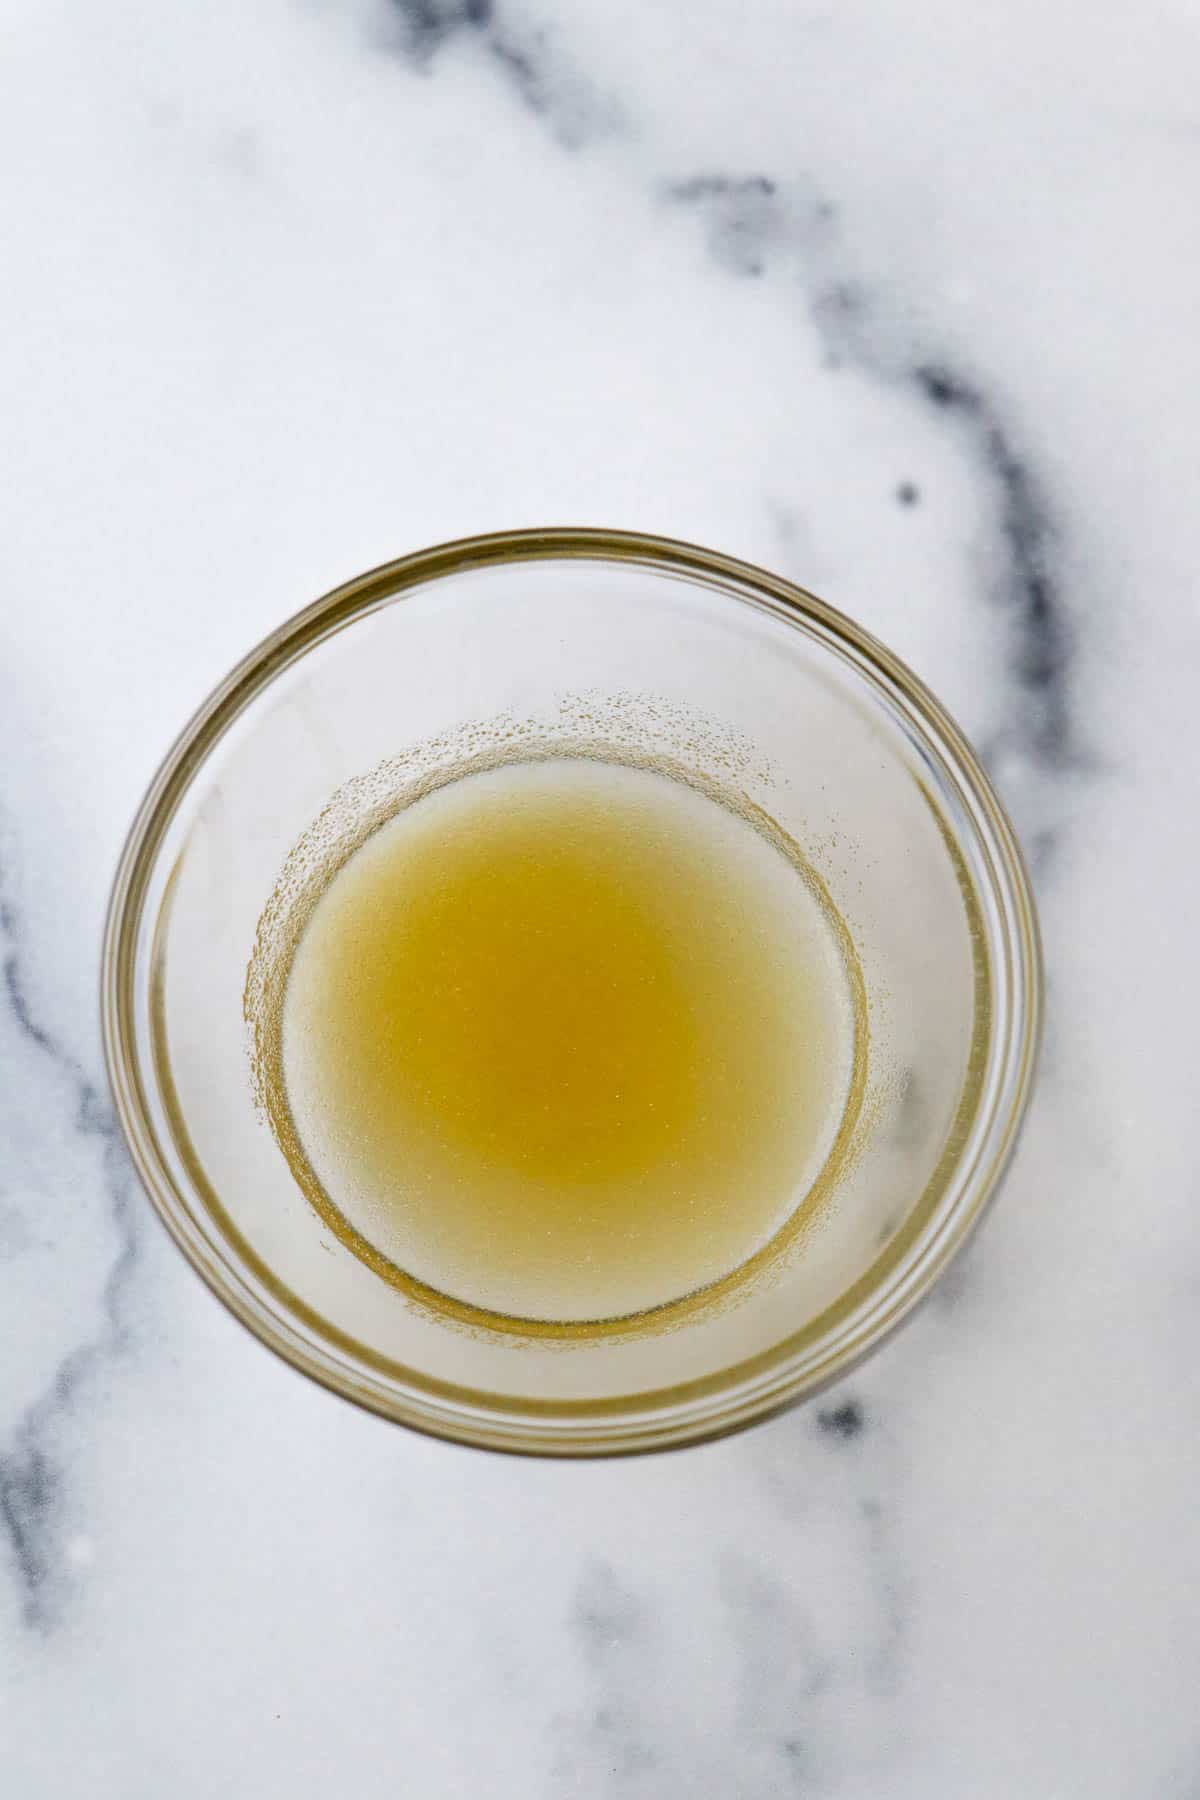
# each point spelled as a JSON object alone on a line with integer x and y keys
{"x": 562, "y": 638}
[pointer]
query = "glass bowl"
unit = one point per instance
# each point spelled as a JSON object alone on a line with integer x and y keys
{"x": 545, "y": 642}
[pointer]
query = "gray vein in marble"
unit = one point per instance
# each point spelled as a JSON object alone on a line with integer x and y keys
{"x": 606, "y": 1621}
{"x": 844, "y": 1421}
{"x": 783, "y": 1669}
{"x": 858, "y": 1460}
{"x": 744, "y": 218}
{"x": 748, "y": 220}
{"x": 1026, "y": 584}
{"x": 798, "y": 1674}
{"x": 523, "y": 55}
{"x": 883, "y": 1657}
{"x": 31, "y": 1466}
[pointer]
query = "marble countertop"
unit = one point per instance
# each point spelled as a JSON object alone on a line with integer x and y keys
{"x": 900, "y": 300}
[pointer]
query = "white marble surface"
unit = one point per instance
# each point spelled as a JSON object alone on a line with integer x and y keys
{"x": 901, "y": 299}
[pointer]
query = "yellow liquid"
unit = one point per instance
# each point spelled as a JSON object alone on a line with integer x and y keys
{"x": 567, "y": 1040}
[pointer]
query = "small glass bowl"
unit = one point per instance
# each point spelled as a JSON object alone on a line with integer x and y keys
{"x": 556, "y": 640}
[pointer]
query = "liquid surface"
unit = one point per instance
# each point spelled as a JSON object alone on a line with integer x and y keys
{"x": 567, "y": 1040}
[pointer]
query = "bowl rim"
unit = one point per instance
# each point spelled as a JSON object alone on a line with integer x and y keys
{"x": 737, "y": 1394}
